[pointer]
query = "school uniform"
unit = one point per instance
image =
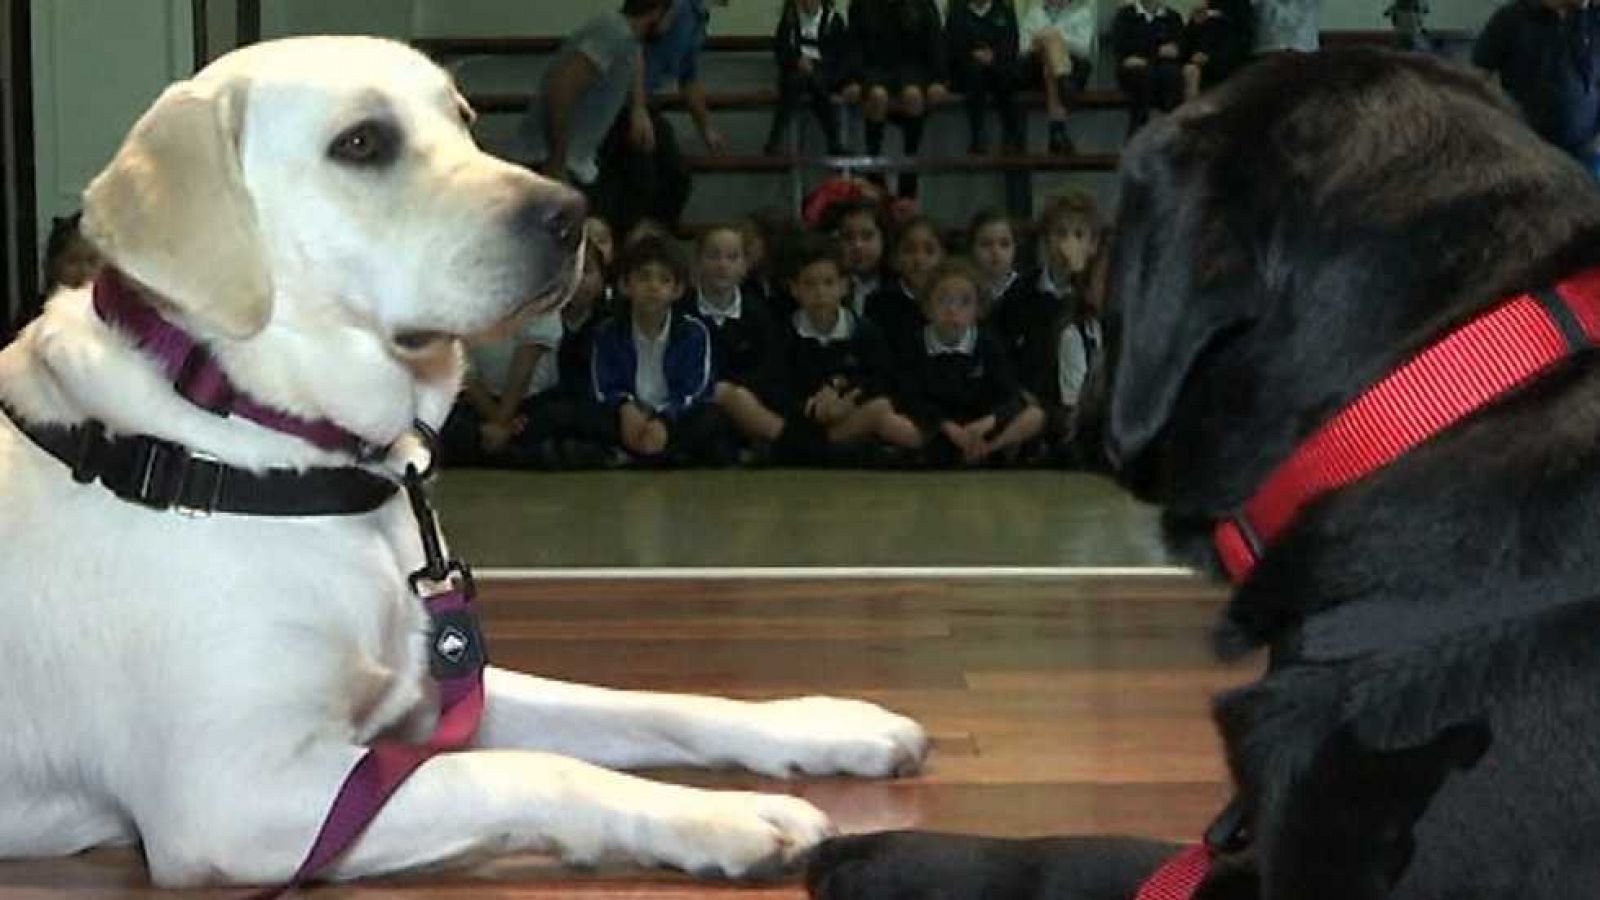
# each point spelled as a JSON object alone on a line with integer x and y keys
{"x": 744, "y": 339}
{"x": 894, "y": 309}
{"x": 670, "y": 374}
{"x": 823, "y": 41}
{"x": 1027, "y": 321}
{"x": 1141, "y": 31}
{"x": 961, "y": 382}
{"x": 992, "y": 26}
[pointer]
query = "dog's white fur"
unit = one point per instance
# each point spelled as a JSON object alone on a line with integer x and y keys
{"x": 203, "y": 685}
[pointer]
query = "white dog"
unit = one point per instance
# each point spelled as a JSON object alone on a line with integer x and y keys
{"x": 316, "y": 213}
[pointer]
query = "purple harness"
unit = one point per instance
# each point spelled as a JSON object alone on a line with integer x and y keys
{"x": 457, "y": 651}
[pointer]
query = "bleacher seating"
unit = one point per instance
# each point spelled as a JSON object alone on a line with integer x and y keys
{"x": 455, "y": 49}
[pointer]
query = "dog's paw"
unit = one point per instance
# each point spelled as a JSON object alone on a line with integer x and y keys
{"x": 825, "y": 736}
{"x": 731, "y": 834}
{"x": 903, "y": 864}
{"x": 922, "y": 865}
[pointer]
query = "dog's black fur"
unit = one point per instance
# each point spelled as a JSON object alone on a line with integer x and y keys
{"x": 1429, "y": 725}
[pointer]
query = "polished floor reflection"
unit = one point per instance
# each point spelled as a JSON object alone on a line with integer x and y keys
{"x": 782, "y": 517}
{"x": 1070, "y": 705}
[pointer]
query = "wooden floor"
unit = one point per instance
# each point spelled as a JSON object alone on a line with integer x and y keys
{"x": 1063, "y": 705}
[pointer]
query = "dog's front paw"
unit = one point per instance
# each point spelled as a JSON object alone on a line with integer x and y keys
{"x": 731, "y": 834}
{"x": 911, "y": 865}
{"x": 825, "y": 736}
{"x": 921, "y": 865}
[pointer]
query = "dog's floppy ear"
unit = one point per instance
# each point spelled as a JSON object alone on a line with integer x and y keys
{"x": 1163, "y": 319}
{"x": 171, "y": 210}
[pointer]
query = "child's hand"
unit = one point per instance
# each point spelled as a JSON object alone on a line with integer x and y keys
{"x": 495, "y": 436}
{"x": 821, "y": 404}
{"x": 1167, "y": 51}
{"x": 978, "y": 446}
{"x": 846, "y": 403}
{"x": 984, "y": 56}
{"x": 654, "y": 438}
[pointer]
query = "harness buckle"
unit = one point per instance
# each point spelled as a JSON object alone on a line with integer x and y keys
{"x": 166, "y": 476}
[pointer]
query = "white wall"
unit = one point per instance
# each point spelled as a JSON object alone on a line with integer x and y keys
{"x": 96, "y": 66}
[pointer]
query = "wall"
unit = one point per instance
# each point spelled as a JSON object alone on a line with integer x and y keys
{"x": 96, "y": 67}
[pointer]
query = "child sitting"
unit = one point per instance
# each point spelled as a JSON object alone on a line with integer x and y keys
{"x": 743, "y": 333}
{"x": 992, "y": 241}
{"x": 837, "y": 375}
{"x": 983, "y": 39}
{"x": 1030, "y": 322}
{"x": 861, "y": 227}
{"x": 489, "y": 424}
{"x": 960, "y": 387}
{"x": 902, "y": 61}
{"x": 1061, "y": 38}
{"x": 814, "y": 63}
{"x": 918, "y": 249}
{"x": 1218, "y": 40}
{"x": 652, "y": 367}
{"x": 1146, "y": 39}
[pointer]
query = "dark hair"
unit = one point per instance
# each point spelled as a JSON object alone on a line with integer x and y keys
{"x": 912, "y": 224}
{"x": 63, "y": 231}
{"x": 953, "y": 267}
{"x": 650, "y": 250}
{"x": 833, "y": 220}
{"x": 984, "y": 219}
{"x": 808, "y": 248}
{"x": 643, "y": 7}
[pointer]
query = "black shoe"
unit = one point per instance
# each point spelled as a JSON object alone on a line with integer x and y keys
{"x": 1060, "y": 142}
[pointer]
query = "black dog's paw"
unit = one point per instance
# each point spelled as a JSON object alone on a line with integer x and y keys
{"x": 918, "y": 865}
{"x": 904, "y": 865}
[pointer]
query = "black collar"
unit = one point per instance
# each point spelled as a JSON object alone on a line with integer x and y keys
{"x": 162, "y": 475}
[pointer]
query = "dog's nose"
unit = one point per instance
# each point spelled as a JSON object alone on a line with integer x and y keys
{"x": 557, "y": 214}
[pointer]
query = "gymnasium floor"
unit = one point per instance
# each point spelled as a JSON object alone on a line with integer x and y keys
{"x": 1059, "y": 699}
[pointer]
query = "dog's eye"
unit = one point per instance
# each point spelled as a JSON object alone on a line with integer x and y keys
{"x": 367, "y": 144}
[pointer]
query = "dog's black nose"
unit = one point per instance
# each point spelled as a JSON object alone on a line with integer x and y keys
{"x": 557, "y": 214}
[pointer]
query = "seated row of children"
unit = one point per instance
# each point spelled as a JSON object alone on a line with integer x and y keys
{"x": 841, "y": 346}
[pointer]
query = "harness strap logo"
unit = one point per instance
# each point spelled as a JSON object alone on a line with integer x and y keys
{"x": 452, "y": 644}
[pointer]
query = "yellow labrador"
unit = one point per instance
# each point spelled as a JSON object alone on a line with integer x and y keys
{"x": 316, "y": 213}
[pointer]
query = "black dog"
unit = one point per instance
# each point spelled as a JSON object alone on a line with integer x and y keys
{"x": 1429, "y": 726}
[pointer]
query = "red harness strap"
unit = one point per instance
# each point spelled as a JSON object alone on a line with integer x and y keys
{"x": 457, "y": 660}
{"x": 1179, "y": 877}
{"x": 1462, "y": 372}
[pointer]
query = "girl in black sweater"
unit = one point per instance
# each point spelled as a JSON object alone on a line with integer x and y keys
{"x": 1147, "y": 42}
{"x": 815, "y": 61}
{"x": 983, "y": 42}
{"x": 903, "y": 60}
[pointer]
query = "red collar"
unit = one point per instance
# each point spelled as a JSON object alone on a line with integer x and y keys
{"x": 1467, "y": 369}
{"x": 195, "y": 374}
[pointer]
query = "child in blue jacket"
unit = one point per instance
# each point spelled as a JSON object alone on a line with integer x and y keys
{"x": 653, "y": 367}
